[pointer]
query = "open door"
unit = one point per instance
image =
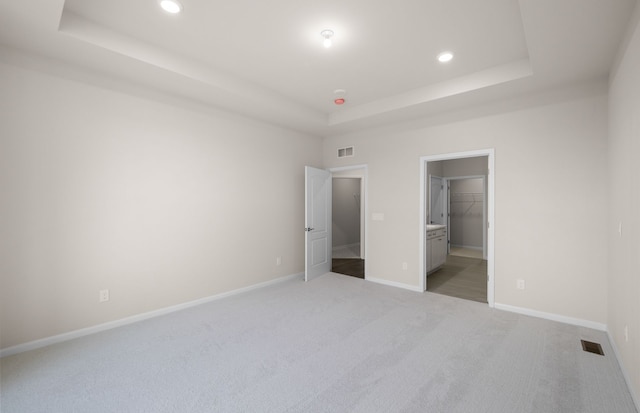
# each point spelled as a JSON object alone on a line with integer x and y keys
{"x": 317, "y": 257}
{"x": 438, "y": 200}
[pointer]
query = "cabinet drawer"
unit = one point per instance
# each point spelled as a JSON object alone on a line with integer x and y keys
{"x": 436, "y": 233}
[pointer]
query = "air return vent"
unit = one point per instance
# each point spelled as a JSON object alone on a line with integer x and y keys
{"x": 592, "y": 347}
{"x": 345, "y": 152}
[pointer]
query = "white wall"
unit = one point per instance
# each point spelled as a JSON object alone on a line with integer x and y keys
{"x": 550, "y": 164}
{"x": 158, "y": 203}
{"x": 624, "y": 194}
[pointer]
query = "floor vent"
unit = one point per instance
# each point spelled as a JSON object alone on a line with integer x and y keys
{"x": 592, "y": 347}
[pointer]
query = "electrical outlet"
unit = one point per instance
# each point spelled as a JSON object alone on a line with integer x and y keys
{"x": 520, "y": 284}
{"x": 103, "y": 296}
{"x": 278, "y": 260}
{"x": 626, "y": 334}
{"x": 404, "y": 266}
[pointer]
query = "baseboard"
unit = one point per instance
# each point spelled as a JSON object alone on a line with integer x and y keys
{"x": 394, "y": 284}
{"x": 627, "y": 378}
{"x": 357, "y": 244}
{"x": 552, "y": 317}
{"x": 32, "y": 345}
{"x": 469, "y": 247}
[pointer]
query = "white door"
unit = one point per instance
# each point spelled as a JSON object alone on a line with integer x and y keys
{"x": 438, "y": 198}
{"x": 317, "y": 257}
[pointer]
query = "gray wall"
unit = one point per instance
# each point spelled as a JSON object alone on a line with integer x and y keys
{"x": 465, "y": 167}
{"x": 623, "y": 273}
{"x": 435, "y": 168}
{"x": 466, "y": 213}
{"x": 346, "y": 211}
{"x": 470, "y": 229}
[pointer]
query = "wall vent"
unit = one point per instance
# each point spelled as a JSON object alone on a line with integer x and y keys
{"x": 345, "y": 152}
{"x": 592, "y": 347}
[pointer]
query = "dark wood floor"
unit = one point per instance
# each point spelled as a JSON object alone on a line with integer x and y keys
{"x": 348, "y": 266}
{"x": 460, "y": 277}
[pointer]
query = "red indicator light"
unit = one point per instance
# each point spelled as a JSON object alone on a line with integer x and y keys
{"x": 339, "y": 101}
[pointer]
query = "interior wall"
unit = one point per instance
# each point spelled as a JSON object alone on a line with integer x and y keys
{"x": 466, "y": 213}
{"x": 346, "y": 211}
{"x": 477, "y": 165}
{"x": 623, "y": 225}
{"x": 544, "y": 219}
{"x": 474, "y": 166}
{"x": 435, "y": 168}
{"x": 361, "y": 174}
{"x": 158, "y": 203}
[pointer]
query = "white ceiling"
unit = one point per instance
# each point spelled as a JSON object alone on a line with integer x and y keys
{"x": 265, "y": 59}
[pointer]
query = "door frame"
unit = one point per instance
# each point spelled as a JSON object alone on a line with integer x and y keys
{"x": 490, "y": 154}
{"x": 364, "y": 207}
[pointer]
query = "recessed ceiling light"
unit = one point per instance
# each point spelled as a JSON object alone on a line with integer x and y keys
{"x": 445, "y": 57}
{"x": 171, "y": 6}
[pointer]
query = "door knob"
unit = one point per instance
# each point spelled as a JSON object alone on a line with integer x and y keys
{"x": 309, "y": 229}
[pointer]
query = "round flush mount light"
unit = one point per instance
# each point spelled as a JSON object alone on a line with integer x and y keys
{"x": 445, "y": 57}
{"x": 171, "y": 6}
{"x": 327, "y": 34}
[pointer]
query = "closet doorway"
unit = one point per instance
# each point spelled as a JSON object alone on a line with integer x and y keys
{"x": 467, "y": 213}
{"x": 348, "y": 221}
{"x": 467, "y": 203}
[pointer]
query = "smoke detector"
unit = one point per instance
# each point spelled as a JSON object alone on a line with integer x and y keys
{"x": 339, "y": 96}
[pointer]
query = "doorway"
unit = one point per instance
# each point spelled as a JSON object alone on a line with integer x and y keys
{"x": 348, "y": 221}
{"x": 467, "y": 213}
{"x": 462, "y": 165}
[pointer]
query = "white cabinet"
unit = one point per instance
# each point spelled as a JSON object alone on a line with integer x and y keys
{"x": 436, "y": 247}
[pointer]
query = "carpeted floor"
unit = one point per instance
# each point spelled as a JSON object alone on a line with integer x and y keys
{"x": 335, "y": 344}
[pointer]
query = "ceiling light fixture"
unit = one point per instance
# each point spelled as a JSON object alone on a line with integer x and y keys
{"x": 445, "y": 57}
{"x": 327, "y": 34}
{"x": 171, "y": 6}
